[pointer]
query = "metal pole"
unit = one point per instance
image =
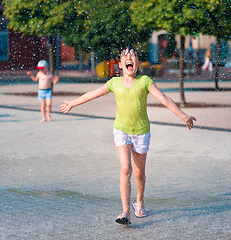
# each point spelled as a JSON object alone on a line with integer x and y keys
{"x": 92, "y": 62}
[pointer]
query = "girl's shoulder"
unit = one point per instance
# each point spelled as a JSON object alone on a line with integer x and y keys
{"x": 111, "y": 83}
{"x": 145, "y": 81}
{"x": 144, "y": 78}
{"x": 114, "y": 80}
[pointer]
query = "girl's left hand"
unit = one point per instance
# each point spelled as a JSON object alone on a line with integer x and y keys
{"x": 189, "y": 122}
{"x": 65, "y": 107}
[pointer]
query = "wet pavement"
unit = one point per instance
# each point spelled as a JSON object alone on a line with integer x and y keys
{"x": 60, "y": 179}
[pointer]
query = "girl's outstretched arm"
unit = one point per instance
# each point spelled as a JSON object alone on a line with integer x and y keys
{"x": 68, "y": 105}
{"x": 170, "y": 104}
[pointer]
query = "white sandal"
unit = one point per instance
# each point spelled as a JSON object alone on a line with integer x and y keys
{"x": 136, "y": 208}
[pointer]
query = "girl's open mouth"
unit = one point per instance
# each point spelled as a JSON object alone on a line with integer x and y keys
{"x": 129, "y": 66}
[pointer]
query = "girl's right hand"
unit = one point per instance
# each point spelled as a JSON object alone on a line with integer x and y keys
{"x": 65, "y": 107}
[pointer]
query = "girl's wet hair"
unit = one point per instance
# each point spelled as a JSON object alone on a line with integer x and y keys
{"x": 129, "y": 50}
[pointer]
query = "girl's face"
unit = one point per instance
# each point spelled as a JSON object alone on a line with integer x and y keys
{"x": 129, "y": 62}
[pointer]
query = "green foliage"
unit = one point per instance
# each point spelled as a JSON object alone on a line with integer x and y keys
{"x": 173, "y": 16}
{"x": 42, "y": 17}
{"x": 88, "y": 25}
{"x": 106, "y": 27}
{"x": 185, "y": 17}
{"x": 216, "y": 18}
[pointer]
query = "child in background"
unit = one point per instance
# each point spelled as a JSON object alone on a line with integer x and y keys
{"x": 208, "y": 65}
{"x": 46, "y": 81}
{"x": 131, "y": 125}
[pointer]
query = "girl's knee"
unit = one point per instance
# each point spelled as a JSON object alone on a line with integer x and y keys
{"x": 126, "y": 170}
{"x": 140, "y": 175}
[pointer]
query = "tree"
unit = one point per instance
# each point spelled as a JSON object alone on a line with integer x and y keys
{"x": 106, "y": 27}
{"x": 185, "y": 17}
{"x": 216, "y": 21}
{"x": 42, "y": 17}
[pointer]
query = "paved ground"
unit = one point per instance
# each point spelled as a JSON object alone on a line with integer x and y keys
{"x": 60, "y": 180}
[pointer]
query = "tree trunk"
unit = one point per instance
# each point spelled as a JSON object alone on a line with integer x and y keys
{"x": 181, "y": 72}
{"x": 216, "y": 64}
{"x": 57, "y": 54}
{"x": 51, "y": 60}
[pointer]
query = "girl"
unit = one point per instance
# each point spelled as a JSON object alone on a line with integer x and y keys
{"x": 131, "y": 125}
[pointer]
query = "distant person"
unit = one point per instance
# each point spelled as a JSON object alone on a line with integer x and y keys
{"x": 46, "y": 81}
{"x": 208, "y": 61}
{"x": 131, "y": 125}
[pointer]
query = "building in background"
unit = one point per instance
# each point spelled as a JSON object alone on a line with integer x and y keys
{"x": 197, "y": 44}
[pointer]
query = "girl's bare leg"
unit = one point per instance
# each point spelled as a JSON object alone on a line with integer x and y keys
{"x": 139, "y": 162}
{"x": 125, "y": 177}
{"x": 43, "y": 110}
{"x": 48, "y": 103}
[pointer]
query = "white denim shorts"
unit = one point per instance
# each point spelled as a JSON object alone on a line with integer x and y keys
{"x": 140, "y": 143}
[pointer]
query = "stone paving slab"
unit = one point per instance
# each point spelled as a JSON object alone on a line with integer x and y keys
{"x": 60, "y": 180}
